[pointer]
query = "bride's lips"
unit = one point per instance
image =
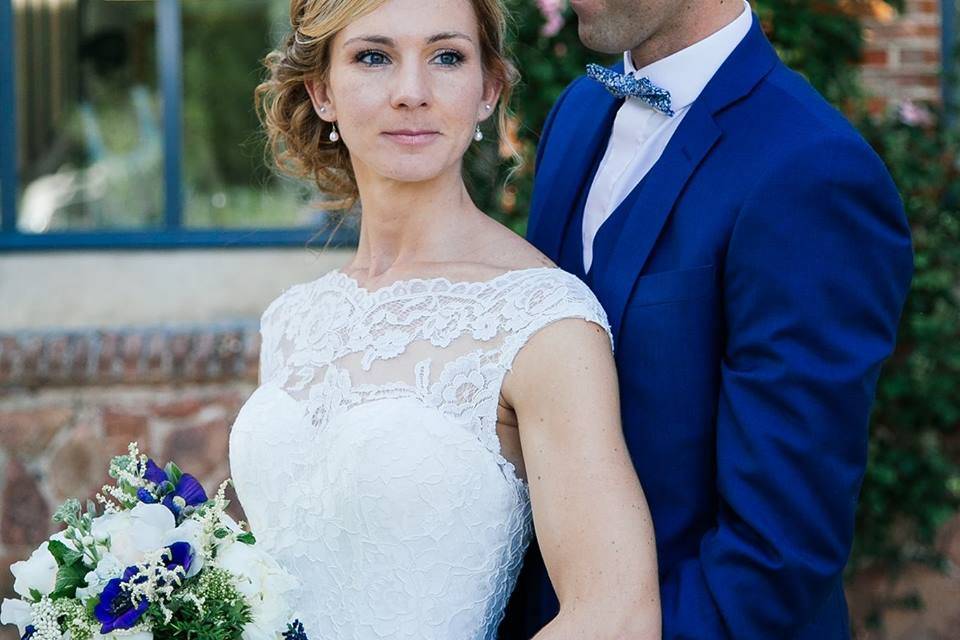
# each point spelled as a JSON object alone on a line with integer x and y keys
{"x": 412, "y": 137}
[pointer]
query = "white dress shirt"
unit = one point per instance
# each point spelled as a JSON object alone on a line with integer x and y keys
{"x": 641, "y": 133}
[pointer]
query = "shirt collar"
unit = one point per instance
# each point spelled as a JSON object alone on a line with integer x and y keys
{"x": 686, "y": 73}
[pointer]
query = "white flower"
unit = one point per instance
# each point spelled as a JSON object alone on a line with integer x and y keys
{"x": 124, "y": 634}
{"x": 38, "y": 572}
{"x": 16, "y": 612}
{"x": 108, "y": 568}
{"x": 135, "y": 532}
{"x": 265, "y": 585}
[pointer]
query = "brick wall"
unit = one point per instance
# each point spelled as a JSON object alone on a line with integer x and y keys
{"x": 902, "y": 55}
{"x": 69, "y": 401}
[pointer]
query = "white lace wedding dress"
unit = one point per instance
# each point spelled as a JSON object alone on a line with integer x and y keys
{"x": 367, "y": 461}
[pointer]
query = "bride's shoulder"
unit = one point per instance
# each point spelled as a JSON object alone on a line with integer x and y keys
{"x": 544, "y": 296}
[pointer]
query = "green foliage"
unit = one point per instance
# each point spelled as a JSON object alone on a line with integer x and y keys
{"x": 913, "y": 480}
{"x": 222, "y": 617}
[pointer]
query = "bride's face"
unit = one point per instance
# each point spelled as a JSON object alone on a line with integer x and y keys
{"x": 406, "y": 89}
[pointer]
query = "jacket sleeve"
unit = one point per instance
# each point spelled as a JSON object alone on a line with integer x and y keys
{"x": 817, "y": 269}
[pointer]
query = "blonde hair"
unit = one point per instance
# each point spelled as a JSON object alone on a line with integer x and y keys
{"x": 298, "y": 139}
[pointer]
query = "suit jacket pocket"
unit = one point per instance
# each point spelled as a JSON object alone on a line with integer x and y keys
{"x": 673, "y": 286}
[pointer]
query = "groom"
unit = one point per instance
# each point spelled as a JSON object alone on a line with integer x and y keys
{"x": 753, "y": 257}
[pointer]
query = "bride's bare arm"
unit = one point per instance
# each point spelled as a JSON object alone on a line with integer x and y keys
{"x": 589, "y": 511}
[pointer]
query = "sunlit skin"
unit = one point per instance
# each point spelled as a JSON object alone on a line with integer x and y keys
{"x": 650, "y": 29}
{"x": 406, "y": 88}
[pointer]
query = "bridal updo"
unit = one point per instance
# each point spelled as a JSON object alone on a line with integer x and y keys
{"x": 298, "y": 139}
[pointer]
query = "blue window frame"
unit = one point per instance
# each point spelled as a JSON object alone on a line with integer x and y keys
{"x": 172, "y": 233}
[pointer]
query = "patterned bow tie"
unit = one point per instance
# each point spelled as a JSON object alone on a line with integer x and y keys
{"x": 624, "y": 85}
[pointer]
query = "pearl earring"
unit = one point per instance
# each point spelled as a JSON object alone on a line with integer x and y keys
{"x": 334, "y": 136}
{"x": 478, "y": 135}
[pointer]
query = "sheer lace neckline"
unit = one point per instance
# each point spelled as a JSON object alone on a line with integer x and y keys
{"x": 404, "y": 285}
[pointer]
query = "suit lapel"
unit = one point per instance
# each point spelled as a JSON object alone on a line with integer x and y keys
{"x": 614, "y": 282}
{"x": 568, "y": 171}
{"x": 750, "y": 62}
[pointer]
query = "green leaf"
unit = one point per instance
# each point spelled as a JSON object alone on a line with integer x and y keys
{"x": 221, "y": 533}
{"x": 59, "y": 552}
{"x": 91, "y": 605}
{"x": 173, "y": 472}
{"x": 36, "y": 595}
{"x": 68, "y": 579}
{"x": 246, "y": 538}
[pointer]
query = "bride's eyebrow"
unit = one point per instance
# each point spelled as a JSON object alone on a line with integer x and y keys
{"x": 389, "y": 42}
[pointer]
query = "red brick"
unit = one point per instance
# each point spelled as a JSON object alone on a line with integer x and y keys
{"x": 124, "y": 425}
{"x": 918, "y": 80}
{"x": 109, "y": 346}
{"x": 79, "y": 467}
{"x": 26, "y": 515}
{"x": 198, "y": 450}
{"x": 875, "y": 58}
{"x": 26, "y": 433}
{"x": 180, "y": 408}
{"x": 55, "y": 350}
{"x": 919, "y": 56}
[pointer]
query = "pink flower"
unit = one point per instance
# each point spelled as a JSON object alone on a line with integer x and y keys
{"x": 914, "y": 115}
{"x": 552, "y": 11}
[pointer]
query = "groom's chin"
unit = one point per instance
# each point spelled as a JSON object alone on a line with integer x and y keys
{"x": 594, "y": 30}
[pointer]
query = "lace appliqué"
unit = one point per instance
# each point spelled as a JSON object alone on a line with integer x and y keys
{"x": 311, "y": 329}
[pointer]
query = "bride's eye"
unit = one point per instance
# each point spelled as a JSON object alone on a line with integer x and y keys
{"x": 449, "y": 58}
{"x": 372, "y": 58}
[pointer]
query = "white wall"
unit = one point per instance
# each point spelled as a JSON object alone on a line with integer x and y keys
{"x": 88, "y": 289}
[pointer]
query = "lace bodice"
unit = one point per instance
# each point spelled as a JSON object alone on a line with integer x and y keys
{"x": 368, "y": 462}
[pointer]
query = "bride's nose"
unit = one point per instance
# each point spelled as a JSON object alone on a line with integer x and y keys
{"x": 411, "y": 87}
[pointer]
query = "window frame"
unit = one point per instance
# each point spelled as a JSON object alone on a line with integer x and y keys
{"x": 172, "y": 234}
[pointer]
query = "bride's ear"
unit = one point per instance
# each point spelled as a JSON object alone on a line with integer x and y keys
{"x": 491, "y": 93}
{"x": 320, "y": 98}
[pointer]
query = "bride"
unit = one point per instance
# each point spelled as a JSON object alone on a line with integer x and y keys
{"x": 422, "y": 409}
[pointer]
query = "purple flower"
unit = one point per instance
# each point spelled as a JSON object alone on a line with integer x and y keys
{"x": 28, "y": 632}
{"x": 115, "y": 609}
{"x": 154, "y": 473}
{"x": 181, "y": 555}
{"x": 186, "y": 492}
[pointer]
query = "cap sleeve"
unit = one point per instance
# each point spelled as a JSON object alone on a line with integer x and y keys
{"x": 541, "y": 301}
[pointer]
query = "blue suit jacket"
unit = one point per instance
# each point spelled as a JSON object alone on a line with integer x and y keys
{"x": 753, "y": 291}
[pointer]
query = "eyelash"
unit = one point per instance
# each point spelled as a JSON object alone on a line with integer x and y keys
{"x": 448, "y": 52}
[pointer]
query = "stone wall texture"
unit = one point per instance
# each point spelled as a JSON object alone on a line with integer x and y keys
{"x": 69, "y": 402}
{"x": 902, "y": 56}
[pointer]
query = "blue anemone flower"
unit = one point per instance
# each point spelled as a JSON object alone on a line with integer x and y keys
{"x": 28, "y": 632}
{"x": 146, "y": 496}
{"x": 154, "y": 473}
{"x": 115, "y": 609}
{"x": 181, "y": 555}
{"x": 186, "y": 492}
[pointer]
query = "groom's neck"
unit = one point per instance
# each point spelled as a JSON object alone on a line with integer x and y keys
{"x": 693, "y": 21}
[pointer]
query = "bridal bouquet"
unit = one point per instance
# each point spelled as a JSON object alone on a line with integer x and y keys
{"x": 162, "y": 562}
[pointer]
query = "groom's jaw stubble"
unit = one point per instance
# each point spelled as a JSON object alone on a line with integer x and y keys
{"x": 650, "y": 29}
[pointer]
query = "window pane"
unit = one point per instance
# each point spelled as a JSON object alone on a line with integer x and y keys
{"x": 88, "y": 124}
{"x": 227, "y": 182}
